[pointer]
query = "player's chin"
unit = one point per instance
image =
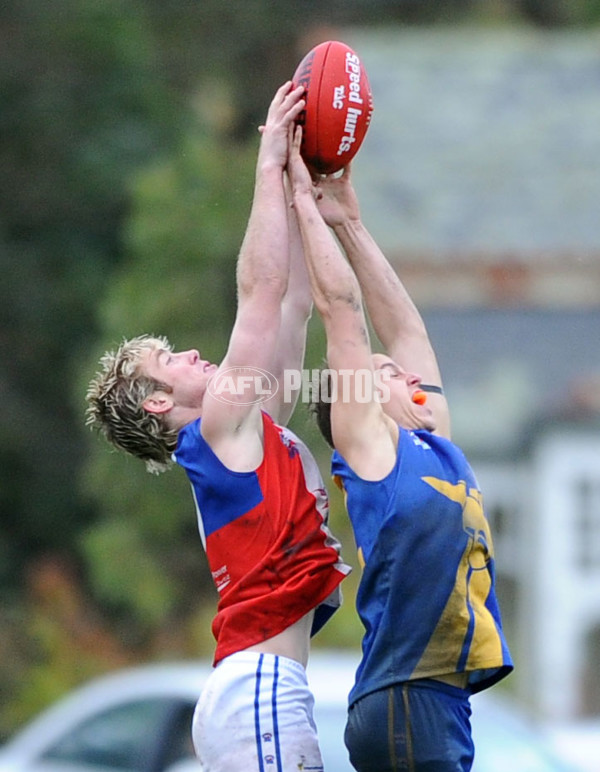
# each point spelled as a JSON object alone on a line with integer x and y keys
{"x": 426, "y": 422}
{"x": 416, "y": 422}
{"x": 430, "y": 425}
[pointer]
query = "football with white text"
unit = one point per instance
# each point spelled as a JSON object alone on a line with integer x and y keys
{"x": 339, "y": 105}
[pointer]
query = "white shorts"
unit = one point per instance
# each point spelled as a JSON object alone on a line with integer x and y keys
{"x": 255, "y": 714}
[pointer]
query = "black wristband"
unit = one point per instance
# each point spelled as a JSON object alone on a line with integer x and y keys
{"x": 432, "y": 389}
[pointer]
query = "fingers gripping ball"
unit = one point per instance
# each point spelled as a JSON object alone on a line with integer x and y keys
{"x": 338, "y": 108}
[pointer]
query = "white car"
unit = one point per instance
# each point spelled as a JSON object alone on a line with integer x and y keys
{"x": 138, "y": 720}
{"x": 578, "y": 741}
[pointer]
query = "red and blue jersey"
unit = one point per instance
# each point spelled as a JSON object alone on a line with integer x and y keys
{"x": 271, "y": 554}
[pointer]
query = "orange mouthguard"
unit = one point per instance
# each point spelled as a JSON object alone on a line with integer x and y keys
{"x": 419, "y": 397}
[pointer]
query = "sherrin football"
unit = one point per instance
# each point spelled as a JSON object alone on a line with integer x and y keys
{"x": 338, "y": 108}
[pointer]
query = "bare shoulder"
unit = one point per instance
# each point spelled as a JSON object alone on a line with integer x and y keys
{"x": 370, "y": 451}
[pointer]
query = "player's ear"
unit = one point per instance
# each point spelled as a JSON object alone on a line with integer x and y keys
{"x": 158, "y": 402}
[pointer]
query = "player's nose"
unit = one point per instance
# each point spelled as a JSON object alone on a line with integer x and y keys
{"x": 191, "y": 356}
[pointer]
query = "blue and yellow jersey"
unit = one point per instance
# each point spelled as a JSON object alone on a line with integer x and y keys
{"x": 426, "y": 596}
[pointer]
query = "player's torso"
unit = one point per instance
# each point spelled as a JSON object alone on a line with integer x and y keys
{"x": 265, "y": 536}
{"x": 426, "y": 596}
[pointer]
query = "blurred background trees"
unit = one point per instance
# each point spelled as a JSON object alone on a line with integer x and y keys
{"x": 128, "y": 131}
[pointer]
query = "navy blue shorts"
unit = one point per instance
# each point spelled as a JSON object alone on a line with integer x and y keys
{"x": 416, "y": 726}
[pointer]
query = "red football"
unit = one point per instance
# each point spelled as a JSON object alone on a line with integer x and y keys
{"x": 338, "y": 109}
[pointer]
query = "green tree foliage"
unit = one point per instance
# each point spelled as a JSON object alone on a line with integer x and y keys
{"x": 84, "y": 103}
{"x": 82, "y": 106}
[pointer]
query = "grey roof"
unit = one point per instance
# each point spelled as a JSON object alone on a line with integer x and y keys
{"x": 481, "y": 140}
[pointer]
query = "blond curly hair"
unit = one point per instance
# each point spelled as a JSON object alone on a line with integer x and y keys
{"x": 116, "y": 396}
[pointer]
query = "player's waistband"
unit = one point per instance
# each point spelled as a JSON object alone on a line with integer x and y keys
{"x": 246, "y": 659}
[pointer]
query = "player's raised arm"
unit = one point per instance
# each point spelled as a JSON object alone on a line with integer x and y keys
{"x": 295, "y": 314}
{"x": 262, "y": 268}
{"x": 395, "y": 318}
{"x": 358, "y": 425}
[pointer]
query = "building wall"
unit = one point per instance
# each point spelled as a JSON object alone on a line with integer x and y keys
{"x": 548, "y": 547}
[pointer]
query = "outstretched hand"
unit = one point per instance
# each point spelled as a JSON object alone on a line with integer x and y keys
{"x": 336, "y": 198}
{"x": 286, "y": 106}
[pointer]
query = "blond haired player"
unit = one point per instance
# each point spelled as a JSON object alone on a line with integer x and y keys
{"x": 262, "y": 505}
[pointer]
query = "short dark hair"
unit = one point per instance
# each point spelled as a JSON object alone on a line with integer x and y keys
{"x": 320, "y": 406}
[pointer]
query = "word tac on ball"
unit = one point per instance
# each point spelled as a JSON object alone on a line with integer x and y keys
{"x": 339, "y": 105}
